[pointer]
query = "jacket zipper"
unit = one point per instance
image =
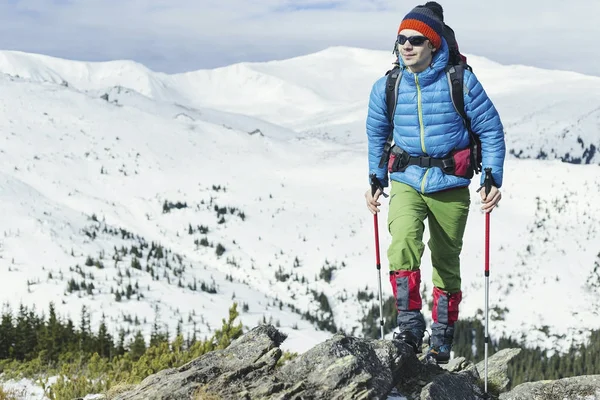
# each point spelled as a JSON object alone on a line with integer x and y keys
{"x": 422, "y": 130}
{"x": 420, "y": 109}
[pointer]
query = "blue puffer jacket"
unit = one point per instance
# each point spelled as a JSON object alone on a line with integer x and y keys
{"x": 426, "y": 123}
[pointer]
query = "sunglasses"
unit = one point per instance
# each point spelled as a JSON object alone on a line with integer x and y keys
{"x": 413, "y": 40}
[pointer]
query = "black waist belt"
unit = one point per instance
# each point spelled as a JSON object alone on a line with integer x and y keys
{"x": 400, "y": 160}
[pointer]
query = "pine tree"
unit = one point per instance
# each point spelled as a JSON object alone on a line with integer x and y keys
{"x": 157, "y": 336}
{"x": 104, "y": 341}
{"x": 70, "y": 336}
{"x": 120, "y": 348}
{"x": 85, "y": 333}
{"x": 137, "y": 348}
{"x": 51, "y": 340}
{"x": 228, "y": 331}
{"x": 7, "y": 334}
{"x": 23, "y": 331}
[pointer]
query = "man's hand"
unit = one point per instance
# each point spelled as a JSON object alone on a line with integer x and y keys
{"x": 490, "y": 200}
{"x": 372, "y": 202}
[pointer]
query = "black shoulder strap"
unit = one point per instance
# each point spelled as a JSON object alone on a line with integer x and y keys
{"x": 455, "y": 74}
{"x": 394, "y": 76}
{"x": 391, "y": 94}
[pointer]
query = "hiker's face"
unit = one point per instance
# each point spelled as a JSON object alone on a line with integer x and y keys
{"x": 416, "y": 57}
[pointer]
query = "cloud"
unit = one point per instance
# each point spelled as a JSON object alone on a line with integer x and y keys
{"x": 183, "y": 35}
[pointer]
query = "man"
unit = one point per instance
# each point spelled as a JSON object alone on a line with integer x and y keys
{"x": 426, "y": 124}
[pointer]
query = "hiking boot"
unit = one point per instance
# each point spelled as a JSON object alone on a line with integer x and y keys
{"x": 444, "y": 315}
{"x": 411, "y": 338}
{"x": 411, "y": 324}
{"x": 439, "y": 354}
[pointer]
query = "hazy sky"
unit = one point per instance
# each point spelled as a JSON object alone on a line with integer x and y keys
{"x": 184, "y": 35}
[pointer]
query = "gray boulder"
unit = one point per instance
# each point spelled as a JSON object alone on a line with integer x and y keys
{"x": 459, "y": 386}
{"x": 575, "y": 388}
{"x": 248, "y": 360}
{"x": 498, "y": 368}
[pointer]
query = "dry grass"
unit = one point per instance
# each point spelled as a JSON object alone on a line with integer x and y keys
{"x": 203, "y": 394}
{"x": 117, "y": 389}
{"x": 11, "y": 394}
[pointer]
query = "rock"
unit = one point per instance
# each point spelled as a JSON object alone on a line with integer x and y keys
{"x": 341, "y": 368}
{"x": 457, "y": 364}
{"x": 250, "y": 358}
{"x": 575, "y": 388}
{"x": 498, "y": 369}
{"x": 460, "y": 386}
{"x": 254, "y": 132}
{"x": 345, "y": 367}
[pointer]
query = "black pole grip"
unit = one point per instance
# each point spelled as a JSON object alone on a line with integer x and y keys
{"x": 374, "y": 184}
{"x": 488, "y": 181}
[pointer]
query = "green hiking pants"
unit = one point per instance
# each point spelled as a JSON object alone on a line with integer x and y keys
{"x": 447, "y": 213}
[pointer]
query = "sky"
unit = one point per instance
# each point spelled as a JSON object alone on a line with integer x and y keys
{"x": 183, "y": 35}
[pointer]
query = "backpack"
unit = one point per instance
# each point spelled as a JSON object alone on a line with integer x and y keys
{"x": 455, "y": 56}
{"x": 455, "y": 74}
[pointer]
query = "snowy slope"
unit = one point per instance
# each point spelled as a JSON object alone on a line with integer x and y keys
{"x": 82, "y": 175}
{"x": 67, "y": 156}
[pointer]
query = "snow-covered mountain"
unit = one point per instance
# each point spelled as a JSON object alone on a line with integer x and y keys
{"x": 179, "y": 194}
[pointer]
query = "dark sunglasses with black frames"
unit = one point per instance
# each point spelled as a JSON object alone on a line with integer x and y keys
{"x": 413, "y": 40}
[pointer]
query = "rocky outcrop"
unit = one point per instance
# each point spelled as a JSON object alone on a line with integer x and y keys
{"x": 498, "y": 368}
{"x": 343, "y": 367}
{"x": 575, "y": 388}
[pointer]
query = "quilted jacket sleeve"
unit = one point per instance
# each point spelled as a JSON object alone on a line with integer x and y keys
{"x": 378, "y": 129}
{"x": 485, "y": 122}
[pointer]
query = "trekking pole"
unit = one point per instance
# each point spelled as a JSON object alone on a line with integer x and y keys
{"x": 487, "y": 183}
{"x": 374, "y": 186}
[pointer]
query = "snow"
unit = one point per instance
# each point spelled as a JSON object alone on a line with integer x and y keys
{"x": 286, "y": 140}
{"x": 25, "y": 389}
